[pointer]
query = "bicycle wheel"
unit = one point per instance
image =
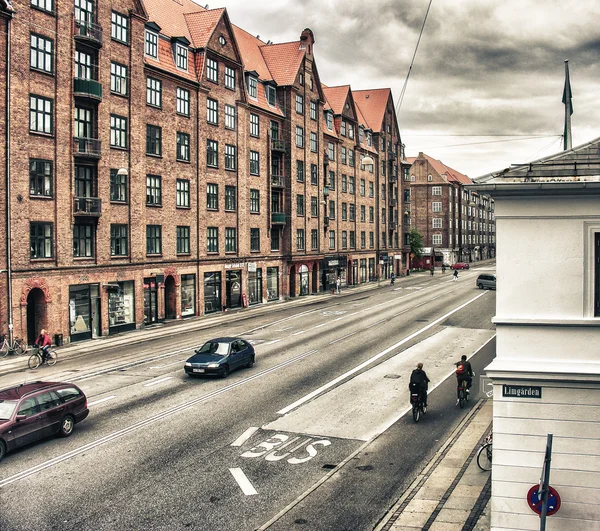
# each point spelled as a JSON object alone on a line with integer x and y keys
{"x": 484, "y": 457}
{"x": 21, "y": 346}
{"x": 416, "y": 413}
{"x": 34, "y": 361}
{"x": 461, "y": 398}
{"x": 4, "y": 349}
{"x": 52, "y": 358}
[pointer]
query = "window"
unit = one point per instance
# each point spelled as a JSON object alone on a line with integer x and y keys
{"x": 343, "y": 128}
{"x": 313, "y": 110}
{"x": 183, "y": 101}
{"x": 41, "y": 115}
{"x": 352, "y": 239}
{"x": 300, "y": 204}
{"x": 437, "y": 223}
{"x": 299, "y": 104}
{"x": 332, "y": 239}
{"x": 436, "y": 239}
{"x": 344, "y": 239}
{"x": 230, "y": 198}
{"x": 230, "y": 240}
{"x": 153, "y": 190}
{"x": 212, "y": 196}
{"x": 181, "y": 57}
{"x": 42, "y": 53}
{"x": 371, "y": 189}
{"x": 183, "y": 240}
{"x": 351, "y": 157}
{"x": 118, "y": 131}
{"x": 301, "y": 78}
{"x": 151, "y": 47}
{"x": 254, "y": 162}
{"x": 383, "y": 216}
{"x": 300, "y": 242}
{"x": 212, "y": 239}
{"x": 329, "y": 120}
{"x": 314, "y": 206}
{"x": 153, "y": 140}
{"x": 300, "y": 171}
{"x": 363, "y": 213}
{"x": 371, "y": 239}
{"x": 313, "y": 142}
{"x": 314, "y": 239}
{"x": 332, "y": 180}
{"x": 254, "y": 125}
{"x": 40, "y": 177}
{"x": 299, "y": 136}
{"x": 371, "y": 214}
{"x": 83, "y": 65}
{"x": 212, "y": 70}
{"x": 83, "y": 241}
{"x": 352, "y": 211}
{"x": 436, "y": 207}
{"x": 118, "y": 79}
{"x": 183, "y": 193}
{"x": 331, "y": 151}
{"x": 119, "y": 27}
{"x": 351, "y": 184}
{"x": 344, "y": 157}
{"x": 230, "y": 157}
{"x": 230, "y": 117}
{"x": 153, "y": 239}
{"x": 254, "y": 240}
{"x": 45, "y": 5}
{"x": 83, "y": 122}
{"x": 350, "y": 131}
{"x": 118, "y": 186}
{"x": 271, "y": 95}
{"x": 344, "y": 211}
{"x": 229, "y": 78}
{"x": 331, "y": 209}
{"x": 153, "y": 92}
{"x": 183, "y": 147}
{"x": 212, "y": 153}
{"x": 344, "y": 183}
{"x": 430, "y": 177}
{"x": 363, "y": 187}
{"x": 314, "y": 174}
{"x": 119, "y": 240}
{"x": 363, "y": 239}
{"x": 383, "y": 191}
{"x": 212, "y": 111}
{"x": 436, "y": 190}
{"x": 41, "y": 240}
{"x": 254, "y": 201}
{"x": 383, "y": 165}
{"x": 274, "y": 130}
{"x": 252, "y": 87}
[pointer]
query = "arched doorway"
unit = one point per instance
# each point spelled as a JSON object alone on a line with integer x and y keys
{"x": 36, "y": 314}
{"x": 304, "y": 280}
{"x": 170, "y": 298}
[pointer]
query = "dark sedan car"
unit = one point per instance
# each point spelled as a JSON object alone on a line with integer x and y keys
{"x": 220, "y": 356}
{"x": 32, "y": 411}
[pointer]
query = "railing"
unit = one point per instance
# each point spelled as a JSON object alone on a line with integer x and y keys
{"x": 89, "y": 88}
{"x": 87, "y": 147}
{"x": 325, "y": 158}
{"x": 392, "y": 177}
{"x": 87, "y": 206}
{"x": 393, "y": 201}
{"x": 326, "y": 221}
{"x": 278, "y": 218}
{"x": 277, "y": 180}
{"x": 89, "y": 31}
{"x": 278, "y": 145}
{"x": 392, "y": 225}
{"x": 391, "y": 155}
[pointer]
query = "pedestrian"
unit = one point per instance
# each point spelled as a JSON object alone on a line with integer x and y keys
{"x": 338, "y": 283}
{"x": 393, "y": 278}
{"x": 443, "y": 268}
{"x": 455, "y": 275}
{"x": 432, "y": 270}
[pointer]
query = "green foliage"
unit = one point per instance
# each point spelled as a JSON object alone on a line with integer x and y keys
{"x": 416, "y": 243}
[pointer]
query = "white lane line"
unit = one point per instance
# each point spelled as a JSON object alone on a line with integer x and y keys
{"x": 167, "y": 365}
{"x": 334, "y": 382}
{"x": 160, "y": 380}
{"x": 273, "y": 342}
{"x": 284, "y": 329}
{"x": 243, "y": 481}
{"x": 378, "y": 322}
{"x": 96, "y": 402}
{"x": 298, "y": 333}
{"x": 342, "y": 338}
{"x": 244, "y": 436}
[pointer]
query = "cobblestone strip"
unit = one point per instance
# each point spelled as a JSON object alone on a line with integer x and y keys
{"x": 428, "y": 471}
{"x": 479, "y": 506}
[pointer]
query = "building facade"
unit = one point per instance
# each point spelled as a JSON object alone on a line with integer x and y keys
{"x": 171, "y": 165}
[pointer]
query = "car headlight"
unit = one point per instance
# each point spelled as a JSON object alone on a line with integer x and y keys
{"x": 188, "y": 364}
{"x": 213, "y": 365}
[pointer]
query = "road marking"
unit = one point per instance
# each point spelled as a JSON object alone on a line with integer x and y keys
{"x": 244, "y": 436}
{"x": 167, "y": 365}
{"x": 298, "y": 333}
{"x": 342, "y": 338}
{"x": 243, "y": 481}
{"x": 284, "y": 329}
{"x": 351, "y": 372}
{"x": 160, "y": 380}
{"x": 272, "y": 342}
{"x": 96, "y": 402}
{"x": 378, "y": 322}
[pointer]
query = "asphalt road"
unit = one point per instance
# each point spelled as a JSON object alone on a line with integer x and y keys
{"x": 323, "y": 405}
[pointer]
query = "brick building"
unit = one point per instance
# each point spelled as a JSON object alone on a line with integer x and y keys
{"x": 457, "y": 224}
{"x": 169, "y": 164}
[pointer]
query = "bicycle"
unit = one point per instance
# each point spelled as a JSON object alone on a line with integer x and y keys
{"x": 484, "y": 454}
{"x": 418, "y": 407}
{"x": 35, "y": 360}
{"x": 463, "y": 393}
{"x": 18, "y": 346}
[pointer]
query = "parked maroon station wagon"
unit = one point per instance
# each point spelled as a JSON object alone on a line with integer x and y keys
{"x": 460, "y": 265}
{"x": 32, "y": 411}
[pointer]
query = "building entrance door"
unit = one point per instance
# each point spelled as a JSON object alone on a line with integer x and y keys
{"x": 150, "y": 301}
{"x": 233, "y": 289}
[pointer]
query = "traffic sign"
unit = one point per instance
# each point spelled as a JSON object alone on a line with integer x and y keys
{"x": 534, "y": 499}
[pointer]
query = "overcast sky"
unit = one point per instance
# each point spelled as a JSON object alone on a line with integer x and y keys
{"x": 483, "y": 67}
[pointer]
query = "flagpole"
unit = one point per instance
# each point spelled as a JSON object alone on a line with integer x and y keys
{"x": 567, "y": 95}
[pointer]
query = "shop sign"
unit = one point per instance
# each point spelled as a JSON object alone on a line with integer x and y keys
{"x": 234, "y": 266}
{"x": 251, "y": 267}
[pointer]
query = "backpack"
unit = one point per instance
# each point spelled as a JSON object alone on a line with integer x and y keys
{"x": 460, "y": 368}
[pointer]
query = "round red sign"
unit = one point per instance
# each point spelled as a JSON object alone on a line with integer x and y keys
{"x": 534, "y": 499}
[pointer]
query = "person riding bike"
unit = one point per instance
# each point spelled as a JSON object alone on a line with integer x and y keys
{"x": 43, "y": 342}
{"x": 464, "y": 371}
{"x": 419, "y": 380}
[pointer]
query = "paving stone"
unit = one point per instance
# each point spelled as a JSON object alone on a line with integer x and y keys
{"x": 446, "y": 526}
{"x": 456, "y": 516}
{"x": 412, "y": 519}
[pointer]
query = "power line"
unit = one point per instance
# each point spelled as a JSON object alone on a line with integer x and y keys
{"x": 495, "y": 141}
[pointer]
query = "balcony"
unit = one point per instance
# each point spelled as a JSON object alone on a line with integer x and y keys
{"x": 278, "y": 218}
{"x": 87, "y": 147}
{"x": 392, "y": 225}
{"x": 325, "y": 158}
{"x": 88, "y": 32}
{"x": 87, "y": 206}
{"x": 87, "y": 88}
{"x": 326, "y": 221}
{"x": 393, "y": 177}
{"x": 278, "y": 145}
{"x": 393, "y": 201}
{"x": 391, "y": 155}
{"x": 277, "y": 180}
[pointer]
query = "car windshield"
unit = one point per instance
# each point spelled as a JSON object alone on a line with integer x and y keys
{"x": 212, "y": 347}
{"x": 7, "y": 407}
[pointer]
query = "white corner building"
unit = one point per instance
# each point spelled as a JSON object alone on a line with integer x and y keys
{"x": 546, "y": 374}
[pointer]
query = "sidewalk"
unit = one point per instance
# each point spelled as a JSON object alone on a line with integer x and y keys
{"x": 451, "y": 493}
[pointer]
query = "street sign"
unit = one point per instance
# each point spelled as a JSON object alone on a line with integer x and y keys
{"x": 534, "y": 500}
{"x": 522, "y": 391}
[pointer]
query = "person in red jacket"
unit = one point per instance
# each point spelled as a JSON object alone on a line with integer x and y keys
{"x": 44, "y": 343}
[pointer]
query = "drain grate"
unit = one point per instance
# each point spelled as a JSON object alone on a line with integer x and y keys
{"x": 329, "y": 467}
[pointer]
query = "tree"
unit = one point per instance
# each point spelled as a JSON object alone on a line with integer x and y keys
{"x": 416, "y": 243}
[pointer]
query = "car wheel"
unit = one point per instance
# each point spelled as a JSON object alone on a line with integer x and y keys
{"x": 66, "y": 426}
{"x": 250, "y": 362}
{"x": 225, "y": 371}
{"x": 480, "y": 285}
{"x": 2, "y": 450}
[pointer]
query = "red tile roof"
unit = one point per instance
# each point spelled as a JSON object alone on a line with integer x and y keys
{"x": 250, "y": 50}
{"x": 283, "y": 61}
{"x": 451, "y": 174}
{"x": 336, "y": 96}
{"x": 166, "y": 61}
{"x": 168, "y": 14}
{"x": 372, "y": 104}
{"x": 202, "y": 24}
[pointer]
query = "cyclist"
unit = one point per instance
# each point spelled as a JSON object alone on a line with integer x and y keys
{"x": 419, "y": 380}
{"x": 43, "y": 342}
{"x": 464, "y": 371}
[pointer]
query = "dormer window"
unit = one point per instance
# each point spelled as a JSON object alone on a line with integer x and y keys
{"x": 350, "y": 131}
{"x": 181, "y": 56}
{"x": 369, "y": 139}
{"x": 329, "y": 119}
{"x": 343, "y": 128}
{"x": 252, "y": 87}
{"x": 361, "y": 135}
{"x": 271, "y": 95}
{"x": 151, "y": 47}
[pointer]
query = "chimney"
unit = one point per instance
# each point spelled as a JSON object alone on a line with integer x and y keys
{"x": 307, "y": 40}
